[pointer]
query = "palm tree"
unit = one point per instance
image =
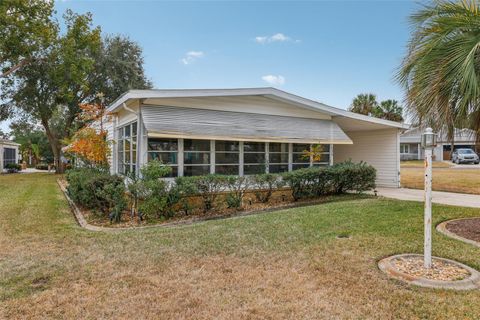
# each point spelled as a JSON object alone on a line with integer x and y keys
{"x": 364, "y": 104}
{"x": 390, "y": 110}
{"x": 441, "y": 71}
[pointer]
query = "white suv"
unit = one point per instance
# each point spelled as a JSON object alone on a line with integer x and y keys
{"x": 465, "y": 156}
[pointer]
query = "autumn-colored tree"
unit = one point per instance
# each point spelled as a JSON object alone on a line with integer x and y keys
{"x": 90, "y": 143}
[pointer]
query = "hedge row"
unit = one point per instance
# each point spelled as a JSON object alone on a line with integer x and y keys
{"x": 149, "y": 195}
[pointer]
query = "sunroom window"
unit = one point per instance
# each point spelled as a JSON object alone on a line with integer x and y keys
{"x": 227, "y": 155}
{"x": 298, "y": 156}
{"x": 196, "y": 157}
{"x": 127, "y": 148}
{"x": 324, "y": 156}
{"x": 164, "y": 150}
{"x": 9, "y": 156}
{"x": 277, "y": 157}
{"x": 254, "y": 157}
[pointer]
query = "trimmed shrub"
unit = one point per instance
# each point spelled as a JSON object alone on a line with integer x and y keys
{"x": 185, "y": 188}
{"x": 97, "y": 190}
{"x": 337, "y": 179}
{"x": 265, "y": 184}
{"x": 349, "y": 176}
{"x": 154, "y": 190}
{"x": 108, "y": 195}
{"x": 13, "y": 167}
{"x": 208, "y": 188}
{"x": 77, "y": 185}
{"x": 302, "y": 182}
{"x": 237, "y": 186}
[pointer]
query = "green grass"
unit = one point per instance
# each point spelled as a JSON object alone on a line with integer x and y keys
{"x": 284, "y": 264}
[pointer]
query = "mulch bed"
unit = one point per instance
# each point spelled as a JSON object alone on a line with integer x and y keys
{"x": 440, "y": 270}
{"x": 465, "y": 228}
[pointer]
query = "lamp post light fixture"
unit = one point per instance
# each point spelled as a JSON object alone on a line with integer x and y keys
{"x": 429, "y": 141}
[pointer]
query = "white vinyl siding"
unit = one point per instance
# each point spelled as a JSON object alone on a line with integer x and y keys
{"x": 379, "y": 148}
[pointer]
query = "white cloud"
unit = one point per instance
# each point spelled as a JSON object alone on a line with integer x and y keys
{"x": 277, "y": 37}
{"x": 191, "y": 56}
{"x": 274, "y": 80}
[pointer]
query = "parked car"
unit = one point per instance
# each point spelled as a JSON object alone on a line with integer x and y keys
{"x": 465, "y": 156}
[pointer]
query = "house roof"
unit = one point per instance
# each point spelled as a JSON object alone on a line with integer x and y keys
{"x": 9, "y": 142}
{"x": 266, "y": 92}
{"x": 461, "y": 135}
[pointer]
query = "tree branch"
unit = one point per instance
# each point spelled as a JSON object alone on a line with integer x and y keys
{"x": 15, "y": 68}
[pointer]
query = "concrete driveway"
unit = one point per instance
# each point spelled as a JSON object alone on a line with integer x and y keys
{"x": 449, "y": 198}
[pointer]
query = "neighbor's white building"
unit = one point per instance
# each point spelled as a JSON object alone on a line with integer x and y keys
{"x": 8, "y": 153}
{"x": 410, "y": 148}
{"x": 245, "y": 131}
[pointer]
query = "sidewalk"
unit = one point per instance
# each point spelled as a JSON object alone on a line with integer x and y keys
{"x": 450, "y": 198}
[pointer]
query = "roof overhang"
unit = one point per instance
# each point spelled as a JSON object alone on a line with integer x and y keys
{"x": 340, "y": 115}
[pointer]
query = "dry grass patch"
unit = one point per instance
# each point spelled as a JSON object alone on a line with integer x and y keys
{"x": 451, "y": 180}
{"x": 420, "y": 164}
{"x": 281, "y": 265}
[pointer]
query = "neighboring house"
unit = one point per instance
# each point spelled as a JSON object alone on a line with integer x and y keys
{"x": 410, "y": 144}
{"x": 8, "y": 153}
{"x": 245, "y": 131}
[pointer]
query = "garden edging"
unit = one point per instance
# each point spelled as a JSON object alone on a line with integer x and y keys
{"x": 442, "y": 228}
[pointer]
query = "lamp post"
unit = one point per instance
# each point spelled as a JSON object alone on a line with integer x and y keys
{"x": 429, "y": 141}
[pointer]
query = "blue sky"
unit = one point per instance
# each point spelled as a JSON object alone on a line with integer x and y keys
{"x": 326, "y": 51}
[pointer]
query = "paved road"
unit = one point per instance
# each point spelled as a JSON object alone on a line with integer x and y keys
{"x": 450, "y": 198}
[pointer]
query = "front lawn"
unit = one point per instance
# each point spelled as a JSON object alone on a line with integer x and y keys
{"x": 281, "y": 265}
{"x": 444, "y": 179}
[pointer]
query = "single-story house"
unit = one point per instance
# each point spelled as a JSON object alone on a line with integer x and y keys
{"x": 8, "y": 153}
{"x": 245, "y": 131}
{"x": 410, "y": 144}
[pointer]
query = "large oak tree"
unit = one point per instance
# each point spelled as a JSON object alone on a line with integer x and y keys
{"x": 72, "y": 69}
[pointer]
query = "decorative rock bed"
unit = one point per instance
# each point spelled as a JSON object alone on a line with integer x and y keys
{"x": 444, "y": 274}
{"x": 465, "y": 229}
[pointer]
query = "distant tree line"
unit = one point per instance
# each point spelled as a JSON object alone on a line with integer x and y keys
{"x": 366, "y": 104}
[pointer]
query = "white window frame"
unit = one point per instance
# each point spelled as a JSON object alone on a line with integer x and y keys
{"x": 264, "y": 152}
{"x": 188, "y": 151}
{"x": 402, "y": 148}
{"x": 240, "y": 157}
{"x": 180, "y": 165}
{"x": 121, "y": 139}
{"x": 279, "y": 152}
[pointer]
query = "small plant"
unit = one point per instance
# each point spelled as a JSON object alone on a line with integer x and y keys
{"x": 186, "y": 187}
{"x": 265, "y": 184}
{"x": 315, "y": 153}
{"x": 154, "y": 189}
{"x": 135, "y": 192}
{"x": 208, "y": 187}
{"x": 237, "y": 187}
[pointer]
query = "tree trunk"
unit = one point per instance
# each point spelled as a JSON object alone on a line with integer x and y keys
{"x": 56, "y": 149}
